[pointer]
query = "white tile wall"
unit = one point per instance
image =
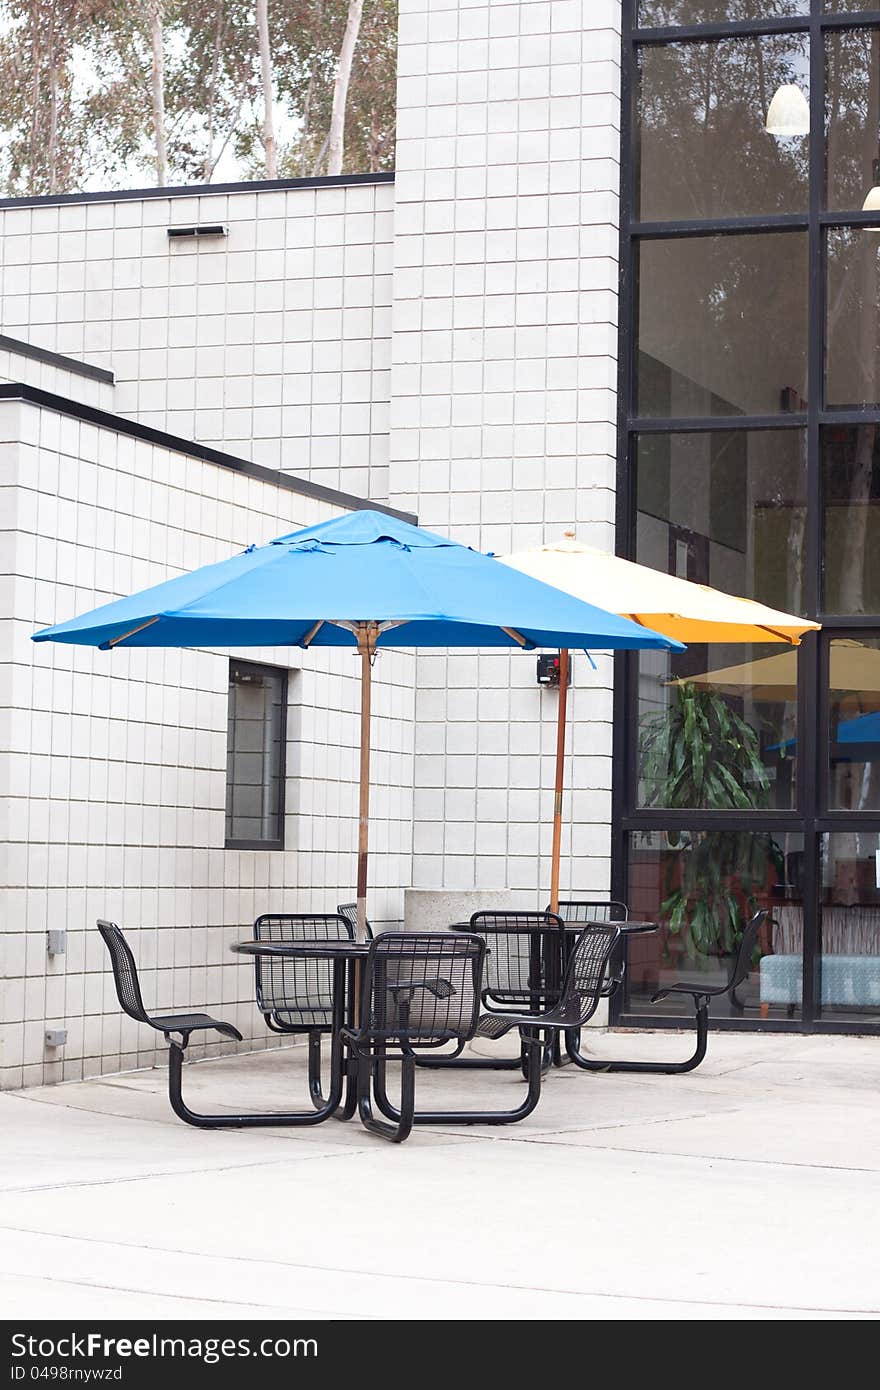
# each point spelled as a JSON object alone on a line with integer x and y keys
{"x": 271, "y": 343}
{"x": 15, "y": 366}
{"x": 503, "y": 398}
{"x": 112, "y": 766}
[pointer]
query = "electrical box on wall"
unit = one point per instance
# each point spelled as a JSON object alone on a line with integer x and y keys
{"x": 56, "y": 1037}
{"x": 56, "y": 941}
{"x": 548, "y": 668}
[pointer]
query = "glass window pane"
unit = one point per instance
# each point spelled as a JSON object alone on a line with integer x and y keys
{"x": 848, "y": 6}
{"x": 722, "y": 325}
{"x": 659, "y": 13}
{"x": 726, "y": 508}
{"x": 703, "y": 887}
{"x": 852, "y": 116}
{"x": 703, "y": 147}
{"x": 854, "y": 724}
{"x": 851, "y": 527}
{"x": 849, "y": 961}
{"x": 718, "y": 728}
{"x": 255, "y": 754}
{"x": 852, "y": 325}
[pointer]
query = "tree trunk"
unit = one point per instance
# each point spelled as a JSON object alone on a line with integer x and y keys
{"x": 158, "y": 91}
{"x": 336, "y": 140}
{"x": 208, "y": 167}
{"x": 52, "y": 137}
{"x": 269, "y": 145}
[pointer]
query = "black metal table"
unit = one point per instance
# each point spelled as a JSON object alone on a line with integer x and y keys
{"x": 344, "y": 956}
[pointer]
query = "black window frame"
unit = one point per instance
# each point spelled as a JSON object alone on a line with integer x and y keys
{"x": 263, "y": 668}
{"x": 811, "y": 816}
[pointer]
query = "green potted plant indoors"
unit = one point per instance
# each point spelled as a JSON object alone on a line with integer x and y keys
{"x": 699, "y": 754}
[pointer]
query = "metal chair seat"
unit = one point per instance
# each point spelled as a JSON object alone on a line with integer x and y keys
{"x": 190, "y": 1023}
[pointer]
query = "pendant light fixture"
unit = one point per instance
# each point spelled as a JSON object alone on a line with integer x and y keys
{"x": 872, "y": 198}
{"x": 789, "y": 111}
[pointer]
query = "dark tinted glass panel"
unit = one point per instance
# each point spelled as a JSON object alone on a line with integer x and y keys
{"x": 703, "y": 147}
{"x": 849, "y": 962}
{"x": 663, "y": 12}
{"x": 722, "y": 325}
{"x": 255, "y": 754}
{"x": 718, "y": 728}
{"x": 726, "y": 508}
{"x": 702, "y": 887}
{"x": 851, "y": 497}
{"x": 854, "y": 724}
{"x": 852, "y": 116}
{"x": 852, "y": 332}
{"x": 849, "y": 6}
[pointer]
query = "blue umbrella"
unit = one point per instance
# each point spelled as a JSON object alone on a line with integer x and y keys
{"x": 363, "y": 580}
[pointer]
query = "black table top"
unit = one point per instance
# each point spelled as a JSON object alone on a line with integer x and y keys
{"x": 304, "y": 950}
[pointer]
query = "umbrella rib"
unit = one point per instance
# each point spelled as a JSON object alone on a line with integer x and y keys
{"x": 517, "y": 636}
{"x": 114, "y": 641}
{"x": 312, "y": 633}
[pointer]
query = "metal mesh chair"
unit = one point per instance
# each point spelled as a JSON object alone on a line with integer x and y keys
{"x": 702, "y": 996}
{"x": 350, "y": 912}
{"x": 128, "y": 991}
{"x": 582, "y": 988}
{"x": 583, "y": 910}
{"x": 296, "y": 996}
{"x": 523, "y": 970}
{"x": 420, "y": 991}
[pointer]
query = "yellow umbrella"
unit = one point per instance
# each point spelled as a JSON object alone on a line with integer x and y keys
{"x": 676, "y": 607}
{"x": 852, "y": 667}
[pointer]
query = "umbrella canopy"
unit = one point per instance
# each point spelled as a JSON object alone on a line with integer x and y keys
{"x": 852, "y": 667}
{"x": 363, "y": 580}
{"x": 689, "y": 612}
{"x": 677, "y": 607}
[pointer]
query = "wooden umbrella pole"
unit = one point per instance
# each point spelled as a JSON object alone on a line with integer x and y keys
{"x": 366, "y": 635}
{"x": 556, "y": 852}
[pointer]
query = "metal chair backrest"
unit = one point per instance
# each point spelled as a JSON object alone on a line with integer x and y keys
{"x": 524, "y": 957}
{"x": 350, "y": 912}
{"x": 125, "y": 976}
{"x": 422, "y": 989}
{"x": 593, "y": 910}
{"x": 297, "y": 993}
{"x": 585, "y": 973}
{"x": 742, "y": 963}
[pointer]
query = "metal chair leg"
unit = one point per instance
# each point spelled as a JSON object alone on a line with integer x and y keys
{"x": 667, "y": 1068}
{"x": 248, "y": 1121}
{"x": 402, "y": 1124}
{"x": 535, "y": 1050}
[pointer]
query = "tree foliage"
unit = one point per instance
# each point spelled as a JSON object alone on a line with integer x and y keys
{"x": 82, "y": 105}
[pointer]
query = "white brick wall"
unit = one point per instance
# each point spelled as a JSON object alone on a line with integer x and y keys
{"x": 503, "y": 397}
{"x": 271, "y": 343}
{"x": 16, "y": 366}
{"x": 112, "y": 766}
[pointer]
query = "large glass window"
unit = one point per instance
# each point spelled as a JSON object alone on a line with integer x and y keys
{"x": 750, "y": 439}
{"x": 852, "y": 322}
{"x": 722, "y": 161}
{"x": 851, "y": 511}
{"x": 703, "y": 886}
{"x": 852, "y": 116}
{"x": 664, "y": 12}
{"x": 849, "y": 960}
{"x": 854, "y": 723}
{"x": 722, "y": 325}
{"x": 726, "y": 508}
{"x": 255, "y": 756}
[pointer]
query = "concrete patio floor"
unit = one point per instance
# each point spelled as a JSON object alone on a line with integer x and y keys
{"x": 747, "y": 1189}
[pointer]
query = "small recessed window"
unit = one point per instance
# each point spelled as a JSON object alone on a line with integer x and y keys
{"x": 256, "y": 756}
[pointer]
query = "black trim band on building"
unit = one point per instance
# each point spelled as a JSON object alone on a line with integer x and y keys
{"x": 105, "y": 419}
{"x": 55, "y": 359}
{"x": 197, "y": 190}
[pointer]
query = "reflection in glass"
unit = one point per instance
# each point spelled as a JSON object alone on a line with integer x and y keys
{"x": 854, "y": 724}
{"x": 703, "y": 148}
{"x": 255, "y": 754}
{"x": 849, "y": 963}
{"x": 662, "y": 12}
{"x": 718, "y": 728}
{"x": 852, "y": 327}
{"x": 851, "y": 530}
{"x": 722, "y": 325}
{"x": 852, "y": 116}
{"x": 848, "y": 6}
{"x": 703, "y": 886}
{"x": 726, "y": 508}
